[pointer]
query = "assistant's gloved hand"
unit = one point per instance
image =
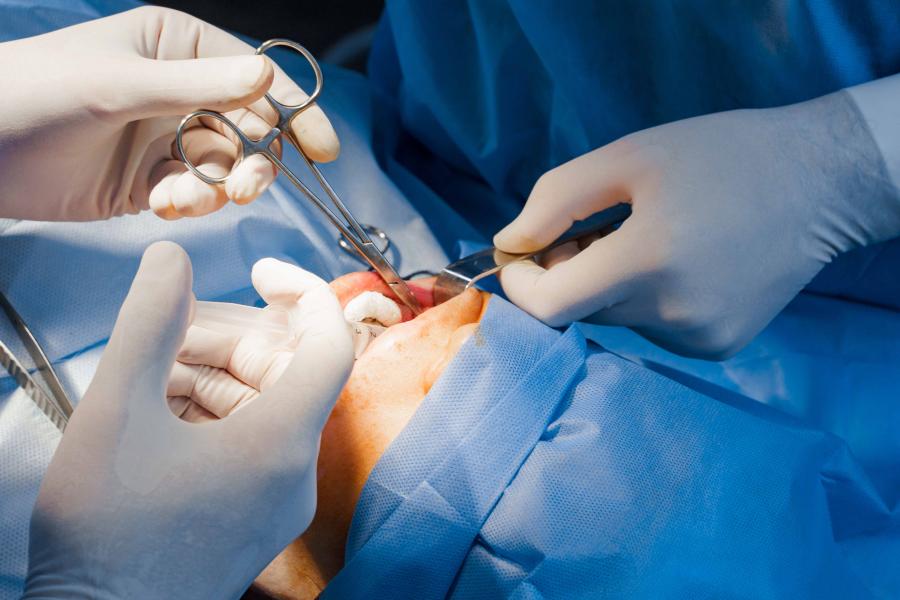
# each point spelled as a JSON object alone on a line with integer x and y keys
{"x": 223, "y": 366}
{"x": 137, "y": 503}
{"x": 733, "y": 214}
{"x": 89, "y": 112}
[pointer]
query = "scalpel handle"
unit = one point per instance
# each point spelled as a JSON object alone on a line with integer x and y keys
{"x": 596, "y": 223}
{"x": 457, "y": 276}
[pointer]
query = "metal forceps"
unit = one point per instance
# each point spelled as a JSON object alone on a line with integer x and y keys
{"x": 351, "y": 230}
{"x": 52, "y": 400}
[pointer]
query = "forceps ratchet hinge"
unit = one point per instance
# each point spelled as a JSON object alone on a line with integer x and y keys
{"x": 353, "y": 233}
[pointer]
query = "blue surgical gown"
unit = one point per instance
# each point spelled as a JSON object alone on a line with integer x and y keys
{"x": 478, "y": 99}
{"x": 656, "y": 476}
{"x": 541, "y": 465}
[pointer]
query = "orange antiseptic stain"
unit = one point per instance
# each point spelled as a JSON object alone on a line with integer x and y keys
{"x": 388, "y": 383}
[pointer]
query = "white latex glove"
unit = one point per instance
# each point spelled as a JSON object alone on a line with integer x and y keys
{"x": 89, "y": 112}
{"x": 224, "y": 366}
{"x": 733, "y": 214}
{"x": 137, "y": 503}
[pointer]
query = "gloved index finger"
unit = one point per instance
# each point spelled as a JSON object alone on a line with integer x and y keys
{"x": 250, "y": 356}
{"x": 181, "y": 36}
{"x": 594, "y": 281}
{"x": 302, "y": 397}
{"x": 572, "y": 191}
{"x": 310, "y": 126}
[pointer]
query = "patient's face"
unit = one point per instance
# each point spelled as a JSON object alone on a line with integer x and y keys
{"x": 389, "y": 381}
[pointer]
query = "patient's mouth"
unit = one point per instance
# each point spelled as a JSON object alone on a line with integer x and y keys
{"x": 353, "y": 285}
{"x": 373, "y": 308}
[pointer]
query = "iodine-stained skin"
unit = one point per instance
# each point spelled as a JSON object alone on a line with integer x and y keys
{"x": 388, "y": 383}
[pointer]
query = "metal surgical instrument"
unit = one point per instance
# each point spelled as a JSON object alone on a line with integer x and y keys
{"x": 353, "y": 234}
{"x": 456, "y": 277}
{"x": 52, "y": 401}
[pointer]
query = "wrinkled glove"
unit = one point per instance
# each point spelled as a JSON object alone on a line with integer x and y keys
{"x": 89, "y": 112}
{"x": 227, "y": 361}
{"x": 733, "y": 214}
{"x": 137, "y": 503}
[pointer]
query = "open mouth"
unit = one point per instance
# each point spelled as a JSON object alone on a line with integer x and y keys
{"x": 352, "y": 285}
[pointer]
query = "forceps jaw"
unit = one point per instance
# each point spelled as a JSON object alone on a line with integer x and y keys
{"x": 372, "y": 255}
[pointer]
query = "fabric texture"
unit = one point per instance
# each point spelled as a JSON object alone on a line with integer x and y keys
{"x": 480, "y": 99}
{"x": 622, "y": 452}
{"x": 541, "y": 467}
{"x": 659, "y": 475}
{"x": 67, "y": 280}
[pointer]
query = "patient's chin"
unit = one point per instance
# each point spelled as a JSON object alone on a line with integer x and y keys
{"x": 388, "y": 383}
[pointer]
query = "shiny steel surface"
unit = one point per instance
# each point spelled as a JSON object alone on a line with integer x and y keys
{"x": 351, "y": 230}
{"x": 466, "y": 272}
{"x": 53, "y": 402}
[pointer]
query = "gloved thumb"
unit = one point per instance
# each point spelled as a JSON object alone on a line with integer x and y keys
{"x": 158, "y": 88}
{"x": 150, "y": 328}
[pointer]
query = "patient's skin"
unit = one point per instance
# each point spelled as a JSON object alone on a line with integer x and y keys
{"x": 388, "y": 383}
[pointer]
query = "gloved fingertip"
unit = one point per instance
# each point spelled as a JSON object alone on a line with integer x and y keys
{"x": 326, "y": 149}
{"x": 194, "y": 198}
{"x": 150, "y": 326}
{"x": 250, "y": 179}
{"x": 159, "y": 202}
{"x": 514, "y": 240}
{"x": 316, "y": 134}
{"x": 264, "y": 270}
{"x": 158, "y": 308}
{"x": 167, "y": 212}
{"x": 279, "y": 282}
{"x": 171, "y": 261}
{"x": 160, "y": 295}
{"x": 249, "y": 77}
{"x": 504, "y": 239}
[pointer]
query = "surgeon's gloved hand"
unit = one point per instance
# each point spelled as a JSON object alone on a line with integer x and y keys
{"x": 733, "y": 214}
{"x": 137, "y": 503}
{"x": 225, "y": 364}
{"x": 88, "y": 118}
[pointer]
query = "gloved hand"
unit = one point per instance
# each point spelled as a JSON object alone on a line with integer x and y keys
{"x": 224, "y": 365}
{"x": 139, "y": 504}
{"x": 733, "y": 214}
{"x": 89, "y": 112}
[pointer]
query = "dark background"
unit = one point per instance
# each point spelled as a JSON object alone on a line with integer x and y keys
{"x": 336, "y": 31}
